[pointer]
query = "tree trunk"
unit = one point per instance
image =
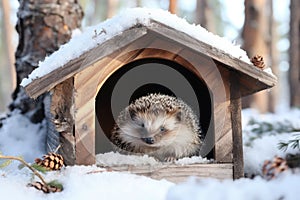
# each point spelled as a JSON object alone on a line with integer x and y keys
{"x": 173, "y": 6}
{"x": 42, "y": 26}
{"x": 138, "y": 3}
{"x": 274, "y": 55}
{"x": 111, "y": 8}
{"x": 201, "y": 13}
{"x": 255, "y": 34}
{"x": 206, "y": 15}
{"x": 7, "y": 70}
{"x": 8, "y": 32}
{"x": 294, "y": 72}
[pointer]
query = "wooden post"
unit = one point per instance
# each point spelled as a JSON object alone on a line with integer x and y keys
{"x": 235, "y": 110}
{"x": 60, "y": 113}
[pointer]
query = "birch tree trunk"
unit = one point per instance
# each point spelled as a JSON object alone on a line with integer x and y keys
{"x": 42, "y": 26}
{"x": 294, "y": 73}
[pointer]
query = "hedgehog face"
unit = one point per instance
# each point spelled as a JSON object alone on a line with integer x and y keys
{"x": 152, "y": 129}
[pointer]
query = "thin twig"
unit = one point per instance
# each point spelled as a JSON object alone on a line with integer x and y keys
{"x": 27, "y": 165}
{"x": 57, "y": 148}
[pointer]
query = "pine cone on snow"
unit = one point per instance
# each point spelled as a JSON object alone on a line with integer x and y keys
{"x": 40, "y": 186}
{"x": 258, "y": 61}
{"x": 51, "y": 161}
{"x": 293, "y": 160}
{"x": 271, "y": 169}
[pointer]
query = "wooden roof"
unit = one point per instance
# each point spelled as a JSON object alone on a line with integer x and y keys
{"x": 253, "y": 78}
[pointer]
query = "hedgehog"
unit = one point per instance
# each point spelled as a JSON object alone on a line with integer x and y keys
{"x": 161, "y": 126}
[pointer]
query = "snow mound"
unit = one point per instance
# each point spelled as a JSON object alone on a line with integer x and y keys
{"x": 95, "y": 35}
{"x": 19, "y": 137}
{"x": 117, "y": 159}
{"x": 285, "y": 187}
{"x": 84, "y": 182}
{"x": 192, "y": 160}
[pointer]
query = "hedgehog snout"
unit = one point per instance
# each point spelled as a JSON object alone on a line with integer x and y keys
{"x": 148, "y": 140}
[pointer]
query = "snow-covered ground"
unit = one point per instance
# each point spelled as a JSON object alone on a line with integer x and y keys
{"x": 262, "y": 133}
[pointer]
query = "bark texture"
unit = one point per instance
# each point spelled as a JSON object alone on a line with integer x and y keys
{"x": 202, "y": 12}
{"x": 42, "y": 26}
{"x": 294, "y": 73}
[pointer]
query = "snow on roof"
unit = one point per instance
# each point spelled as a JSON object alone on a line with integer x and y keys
{"x": 82, "y": 42}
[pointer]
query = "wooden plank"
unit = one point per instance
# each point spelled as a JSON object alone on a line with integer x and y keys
{"x": 223, "y": 138}
{"x": 235, "y": 109}
{"x": 216, "y": 79}
{"x": 85, "y": 134}
{"x": 223, "y": 135}
{"x": 87, "y": 84}
{"x": 160, "y": 48}
{"x": 178, "y": 173}
{"x": 62, "y": 119}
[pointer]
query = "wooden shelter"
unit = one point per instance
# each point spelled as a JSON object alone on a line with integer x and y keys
{"x": 81, "y": 92}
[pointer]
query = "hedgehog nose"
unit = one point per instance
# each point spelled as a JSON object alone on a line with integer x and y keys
{"x": 148, "y": 140}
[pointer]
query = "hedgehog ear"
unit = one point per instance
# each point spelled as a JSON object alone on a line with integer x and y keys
{"x": 132, "y": 113}
{"x": 179, "y": 116}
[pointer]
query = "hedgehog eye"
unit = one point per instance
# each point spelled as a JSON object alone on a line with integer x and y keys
{"x": 142, "y": 125}
{"x": 162, "y": 129}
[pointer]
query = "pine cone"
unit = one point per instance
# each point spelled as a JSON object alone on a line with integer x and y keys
{"x": 293, "y": 160}
{"x": 51, "y": 161}
{"x": 40, "y": 186}
{"x": 258, "y": 61}
{"x": 272, "y": 169}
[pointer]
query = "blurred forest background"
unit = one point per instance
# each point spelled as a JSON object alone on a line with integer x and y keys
{"x": 266, "y": 27}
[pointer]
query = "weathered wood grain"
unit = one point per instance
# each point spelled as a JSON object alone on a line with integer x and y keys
{"x": 62, "y": 118}
{"x": 235, "y": 111}
{"x": 87, "y": 84}
{"x": 178, "y": 173}
{"x": 223, "y": 134}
